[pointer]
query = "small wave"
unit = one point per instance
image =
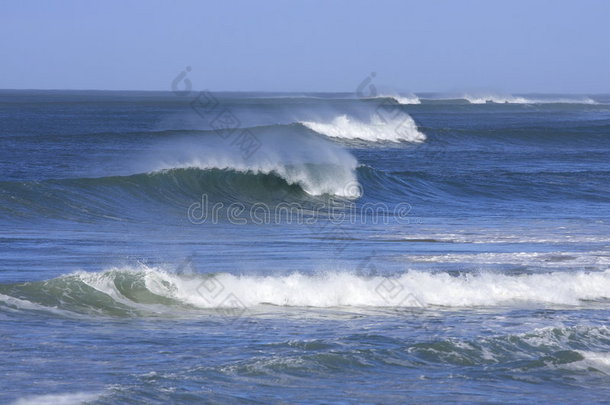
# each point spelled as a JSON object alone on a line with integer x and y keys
{"x": 401, "y": 128}
{"x": 404, "y": 100}
{"x": 550, "y": 348}
{"x": 599, "y": 361}
{"x": 129, "y": 291}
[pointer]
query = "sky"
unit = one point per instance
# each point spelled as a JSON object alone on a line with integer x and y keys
{"x": 307, "y": 45}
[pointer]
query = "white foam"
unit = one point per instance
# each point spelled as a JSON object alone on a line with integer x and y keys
{"x": 410, "y": 289}
{"x": 400, "y": 128}
{"x": 57, "y": 399}
{"x": 599, "y": 361}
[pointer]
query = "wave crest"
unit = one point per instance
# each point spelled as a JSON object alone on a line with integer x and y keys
{"x": 401, "y": 128}
{"x": 315, "y": 164}
{"x": 144, "y": 290}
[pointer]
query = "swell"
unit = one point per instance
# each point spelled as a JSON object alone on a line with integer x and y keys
{"x": 172, "y": 191}
{"x": 140, "y": 195}
{"x": 591, "y": 133}
{"x": 144, "y": 290}
{"x": 155, "y": 133}
{"x": 504, "y": 185}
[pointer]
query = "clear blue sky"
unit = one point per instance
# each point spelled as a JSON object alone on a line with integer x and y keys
{"x": 509, "y": 46}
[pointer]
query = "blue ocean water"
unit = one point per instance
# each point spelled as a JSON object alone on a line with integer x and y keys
{"x": 160, "y": 247}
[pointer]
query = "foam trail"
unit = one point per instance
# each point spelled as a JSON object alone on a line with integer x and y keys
{"x": 401, "y": 128}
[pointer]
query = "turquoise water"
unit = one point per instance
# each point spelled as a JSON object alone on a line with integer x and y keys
{"x": 303, "y": 248}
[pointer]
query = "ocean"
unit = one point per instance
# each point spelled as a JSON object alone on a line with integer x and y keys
{"x": 312, "y": 248}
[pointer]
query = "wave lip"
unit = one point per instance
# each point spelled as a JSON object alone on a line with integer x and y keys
{"x": 305, "y": 159}
{"x": 402, "y": 128}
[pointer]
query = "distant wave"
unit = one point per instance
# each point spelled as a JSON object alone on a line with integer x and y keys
{"x": 497, "y": 99}
{"x": 400, "y": 99}
{"x": 129, "y": 291}
{"x": 471, "y": 98}
{"x": 401, "y": 128}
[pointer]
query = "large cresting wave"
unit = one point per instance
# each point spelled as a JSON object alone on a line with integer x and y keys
{"x": 313, "y": 163}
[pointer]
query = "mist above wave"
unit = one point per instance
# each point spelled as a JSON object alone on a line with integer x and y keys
{"x": 315, "y": 164}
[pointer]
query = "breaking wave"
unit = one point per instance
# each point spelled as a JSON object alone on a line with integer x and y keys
{"x": 313, "y": 163}
{"x": 147, "y": 290}
{"x": 399, "y": 129}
